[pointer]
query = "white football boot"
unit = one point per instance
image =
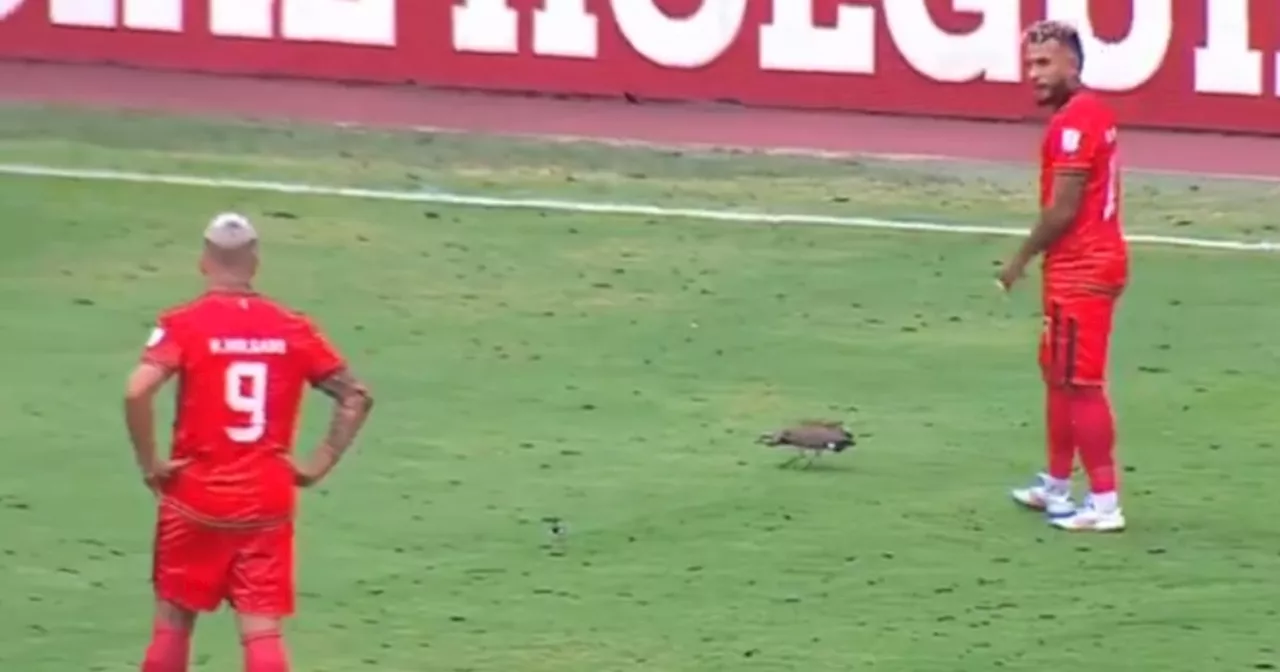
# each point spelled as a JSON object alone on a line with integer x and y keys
{"x": 1091, "y": 518}
{"x": 1040, "y": 496}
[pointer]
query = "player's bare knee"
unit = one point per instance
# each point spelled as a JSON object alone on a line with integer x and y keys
{"x": 258, "y": 625}
{"x": 175, "y": 616}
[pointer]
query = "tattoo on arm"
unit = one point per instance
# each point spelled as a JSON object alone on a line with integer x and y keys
{"x": 139, "y": 413}
{"x": 352, "y": 404}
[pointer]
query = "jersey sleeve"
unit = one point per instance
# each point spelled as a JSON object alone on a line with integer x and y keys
{"x": 1074, "y": 141}
{"x": 320, "y": 359}
{"x": 164, "y": 346}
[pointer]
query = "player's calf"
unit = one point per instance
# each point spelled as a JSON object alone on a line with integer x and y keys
{"x": 265, "y": 652}
{"x": 170, "y": 646}
{"x": 1047, "y": 495}
{"x": 263, "y": 641}
{"x": 169, "y": 650}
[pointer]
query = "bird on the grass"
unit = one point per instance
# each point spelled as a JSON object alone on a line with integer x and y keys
{"x": 810, "y": 438}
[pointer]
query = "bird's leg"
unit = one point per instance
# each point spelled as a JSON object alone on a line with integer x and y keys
{"x": 794, "y": 458}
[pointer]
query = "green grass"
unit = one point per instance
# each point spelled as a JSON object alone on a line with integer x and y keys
{"x": 612, "y": 372}
{"x": 960, "y": 192}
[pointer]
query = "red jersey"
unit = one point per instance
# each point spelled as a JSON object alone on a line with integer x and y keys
{"x": 243, "y": 363}
{"x": 1092, "y": 253}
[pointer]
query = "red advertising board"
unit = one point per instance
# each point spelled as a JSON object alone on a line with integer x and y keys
{"x": 1201, "y": 64}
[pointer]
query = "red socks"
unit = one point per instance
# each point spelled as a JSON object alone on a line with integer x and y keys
{"x": 265, "y": 652}
{"x": 1080, "y": 418}
{"x": 1095, "y": 434}
{"x": 1060, "y": 433}
{"x": 169, "y": 651}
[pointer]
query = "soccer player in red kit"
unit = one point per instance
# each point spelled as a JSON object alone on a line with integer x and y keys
{"x": 226, "y": 493}
{"x": 1085, "y": 270}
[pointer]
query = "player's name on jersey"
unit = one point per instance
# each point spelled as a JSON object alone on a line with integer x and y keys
{"x": 248, "y": 346}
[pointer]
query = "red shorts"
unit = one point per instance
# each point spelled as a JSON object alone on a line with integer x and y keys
{"x": 198, "y": 567}
{"x": 1077, "y": 337}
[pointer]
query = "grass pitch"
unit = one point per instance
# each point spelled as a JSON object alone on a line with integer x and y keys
{"x": 610, "y": 373}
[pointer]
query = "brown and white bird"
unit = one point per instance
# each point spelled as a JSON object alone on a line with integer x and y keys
{"x": 810, "y": 438}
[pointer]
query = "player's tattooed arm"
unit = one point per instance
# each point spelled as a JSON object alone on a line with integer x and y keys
{"x": 139, "y": 417}
{"x": 1068, "y": 194}
{"x": 352, "y": 404}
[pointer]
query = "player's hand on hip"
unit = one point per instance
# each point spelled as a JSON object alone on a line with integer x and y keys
{"x": 308, "y": 473}
{"x": 317, "y": 465}
{"x": 159, "y": 472}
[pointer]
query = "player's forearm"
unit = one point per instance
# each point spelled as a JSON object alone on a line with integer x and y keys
{"x": 140, "y": 420}
{"x": 139, "y": 410}
{"x": 352, "y": 403}
{"x": 349, "y": 415}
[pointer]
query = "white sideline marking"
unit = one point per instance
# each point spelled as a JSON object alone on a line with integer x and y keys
{"x": 585, "y": 207}
{"x": 802, "y": 152}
